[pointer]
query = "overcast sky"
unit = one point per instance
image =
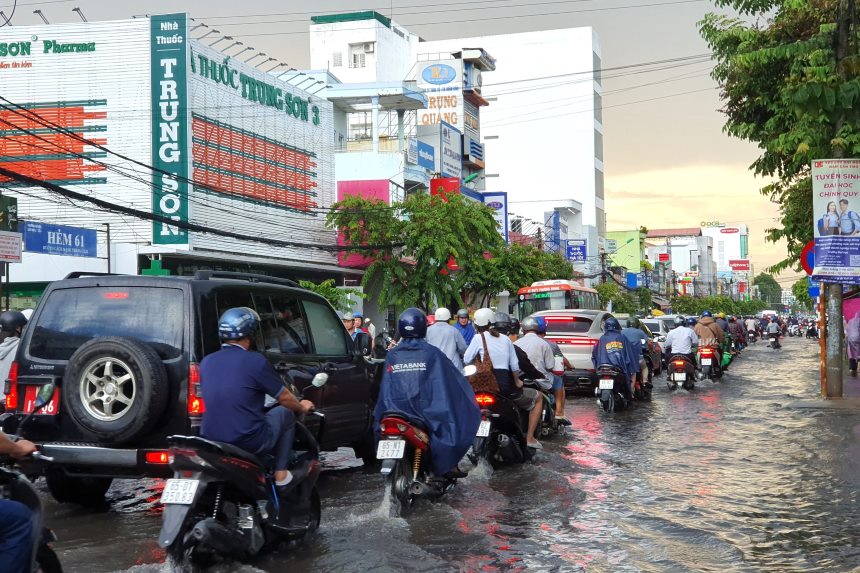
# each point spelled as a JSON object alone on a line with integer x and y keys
{"x": 667, "y": 161}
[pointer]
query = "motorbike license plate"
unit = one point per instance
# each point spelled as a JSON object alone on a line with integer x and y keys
{"x": 52, "y": 408}
{"x": 390, "y": 449}
{"x": 679, "y": 377}
{"x": 607, "y": 384}
{"x": 179, "y": 491}
{"x": 706, "y": 361}
{"x": 484, "y": 429}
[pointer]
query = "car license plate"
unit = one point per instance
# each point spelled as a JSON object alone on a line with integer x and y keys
{"x": 607, "y": 384}
{"x": 484, "y": 429}
{"x": 52, "y": 408}
{"x": 179, "y": 491}
{"x": 679, "y": 377}
{"x": 390, "y": 449}
{"x": 706, "y": 361}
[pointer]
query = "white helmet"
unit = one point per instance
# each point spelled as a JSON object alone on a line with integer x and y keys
{"x": 443, "y": 314}
{"x": 484, "y": 317}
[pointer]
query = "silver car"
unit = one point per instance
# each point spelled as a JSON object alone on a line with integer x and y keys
{"x": 576, "y": 332}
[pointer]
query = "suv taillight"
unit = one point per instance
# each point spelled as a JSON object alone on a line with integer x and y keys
{"x": 196, "y": 407}
{"x": 12, "y": 388}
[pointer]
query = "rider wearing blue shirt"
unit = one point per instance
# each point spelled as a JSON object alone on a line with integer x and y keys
{"x": 614, "y": 349}
{"x": 235, "y": 381}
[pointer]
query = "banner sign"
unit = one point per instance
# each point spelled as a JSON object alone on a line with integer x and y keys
{"x": 9, "y": 214}
{"x": 739, "y": 264}
{"x": 663, "y": 257}
{"x": 59, "y": 240}
{"x": 498, "y": 202}
{"x": 835, "y": 200}
{"x": 170, "y": 143}
{"x": 412, "y": 150}
{"x": 426, "y": 155}
{"x": 442, "y": 81}
{"x": 10, "y": 247}
{"x": 451, "y": 150}
{"x": 576, "y": 250}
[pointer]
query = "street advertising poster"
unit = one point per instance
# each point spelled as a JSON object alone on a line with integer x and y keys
{"x": 851, "y": 315}
{"x": 835, "y": 205}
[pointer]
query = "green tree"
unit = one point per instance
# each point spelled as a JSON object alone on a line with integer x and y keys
{"x": 800, "y": 290}
{"x": 409, "y": 244}
{"x": 622, "y": 302}
{"x": 770, "y": 290}
{"x": 339, "y": 298}
{"x": 791, "y": 87}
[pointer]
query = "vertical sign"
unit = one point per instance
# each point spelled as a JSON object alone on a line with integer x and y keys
{"x": 451, "y": 150}
{"x": 169, "y": 57}
{"x": 835, "y": 201}
{"x": 498, "y": 202}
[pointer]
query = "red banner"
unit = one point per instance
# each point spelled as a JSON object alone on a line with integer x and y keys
{"x": 739, "y": 264}
{"x": 663, "y": 257}
{"x": 444, "y": 185}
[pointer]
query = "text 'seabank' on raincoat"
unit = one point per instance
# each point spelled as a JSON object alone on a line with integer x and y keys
{"x": 420, "y": 383}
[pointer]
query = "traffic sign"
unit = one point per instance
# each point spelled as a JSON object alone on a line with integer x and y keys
{"x": 577, "y": 250}
{"x": 807, "y": 257}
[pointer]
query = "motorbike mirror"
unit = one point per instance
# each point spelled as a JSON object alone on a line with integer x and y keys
{"x": 46, "y": 392}
{"x": 320, "y": 380}
{"x": 470, "y": 370}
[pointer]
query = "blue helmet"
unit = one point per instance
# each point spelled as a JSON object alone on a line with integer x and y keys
{"x": 707, "y": 313}
{"x": 541, "y": 322}
{"x": 412, "y": 323}
{"x": 238, "y": 323}
{"x": 612, "y": 324}
{"x": 691, "y": 321}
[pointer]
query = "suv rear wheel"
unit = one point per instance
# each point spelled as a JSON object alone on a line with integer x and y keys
{"x": 115, "y": 389}
{"x": 86, "y": 491}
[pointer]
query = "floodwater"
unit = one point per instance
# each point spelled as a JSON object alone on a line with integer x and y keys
{"x": 724, "y": 478}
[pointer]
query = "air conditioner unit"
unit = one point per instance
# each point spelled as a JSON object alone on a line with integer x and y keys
{"x": 369, "y": 47}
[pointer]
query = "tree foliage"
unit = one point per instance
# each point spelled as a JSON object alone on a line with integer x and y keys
{"x": 411, "y": 243}
{"x": 339, "y": 298}
{"x": 784, "y": 90}
{"x": 769, "y": 289}
{"x": 688, "y": 305}
{"x": 800, "y": 290}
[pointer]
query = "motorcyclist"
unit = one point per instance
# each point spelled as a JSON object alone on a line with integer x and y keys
{"x": 751, "y": 325}
{"x": 504, "y": 324}
{"x": 614, "y": 349}
{"x": 538, "y": 350}
{"x": 722, "y": 322}
{"x": 503, "y": 355}
{"x": 447, "y": 338}
{"x": 464, "y": 325}
{"x": 16, "y": 521}
{"x": 235, "y": 381}
{"x": 558, "y": 382}
{"x": 638, "y": 340}
{"x": 710, "y": 335}
{"x": 774, "y": 328}
{"x": 682, "y": 339}
{"x": 420, "y": 382}
{"x": 12, "y": 324}
{"x": 738, "y": 332}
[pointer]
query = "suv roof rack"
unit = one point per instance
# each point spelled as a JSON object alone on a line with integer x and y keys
{"x": 250, "y": 277}
{"x": 79, "y": 274}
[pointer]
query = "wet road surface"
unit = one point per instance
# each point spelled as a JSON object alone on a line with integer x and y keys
{"x": 724, "y": 478}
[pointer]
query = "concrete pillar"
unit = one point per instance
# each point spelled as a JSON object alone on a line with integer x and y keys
{"x": 401, "y": 139}
{"x": 374, "y": 118}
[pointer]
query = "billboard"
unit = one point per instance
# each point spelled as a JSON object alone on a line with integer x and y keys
{"x": 836, "y": 225}
{"x": 498, "y": 202}
{"x": 739, "y": 264}
{"x": 451, "y": 151}
{"x": 442, "y": 81}
{"x": 730, "y": 244}
{"x": 61, "y": 240}
{"x": 426, "y": 155}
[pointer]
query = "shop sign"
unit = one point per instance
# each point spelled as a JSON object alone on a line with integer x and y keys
{"x": 451, "y": 149}
{"x": 10, "y": 247}
{"x": 412, "y": 150}
{"x": 426, "y": 156}
{"x": 498, "y": 202}
{"x": 836, "y": 226}
{"x": 442, "y": 82}
{"x": 663, "y": 257}
{"x": 577, "y": 250}
{"x": 59, "y": 240}
{"x": 739, "y": 264}
{"x": 170, "y": 145}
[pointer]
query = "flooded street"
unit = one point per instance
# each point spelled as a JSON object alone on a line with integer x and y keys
{"x": 721, "y": 479}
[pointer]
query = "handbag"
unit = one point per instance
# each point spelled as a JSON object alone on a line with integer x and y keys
{"x": 484, "y": 380}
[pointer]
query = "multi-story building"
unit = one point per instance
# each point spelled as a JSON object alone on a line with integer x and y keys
{"x": 689, "y": 257}
{"x": 731, "y": 254}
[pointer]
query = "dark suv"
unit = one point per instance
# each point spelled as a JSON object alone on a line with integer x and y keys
{"x": 124, "y": 354}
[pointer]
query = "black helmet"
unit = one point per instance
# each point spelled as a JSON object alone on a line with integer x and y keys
{"x": 515, "y": 325}
{"x": 502, "y": 323}
{"x": 679, "y": 321}
{"x": 11, "y": 320}
{"x": 412, "y": 323}
{"x": 612, "y": 324}
{"x": 634, "y": 322}
{"x": 530, "y": 324}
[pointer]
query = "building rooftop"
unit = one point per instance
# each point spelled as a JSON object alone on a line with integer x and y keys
{"x": 352, "y": 17}
{"x": 391, "y": 96}
{"x": 688, "y": 232}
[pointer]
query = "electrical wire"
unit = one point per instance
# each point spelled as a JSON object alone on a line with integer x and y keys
{"x": 8, "y": 21}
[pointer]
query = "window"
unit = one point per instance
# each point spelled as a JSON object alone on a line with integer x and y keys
{"x": 337, "y": 59}
{"x": 567, "y": 325}
{"x": 357, "y": 61}
{"x": 329, "y": 335}
{"x": 283, "y": 322}
{"x": 74, "y": 316}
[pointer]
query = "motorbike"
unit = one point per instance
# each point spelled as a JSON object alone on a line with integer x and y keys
{"x": 502, "y": 435}
{"x": 773, "y": 341}
{"x": 222, "y": 501}
{"x": 610, "y": 391}
{"x": 681, "y": 371}
{"x": 15, "y": 486}
{"x": 751, "y": 336}
{"x": 709, "y": 364}
{"x": 549, "y": 424}
{"x": 794, "y": 330}
{"x": 812, "y": 332}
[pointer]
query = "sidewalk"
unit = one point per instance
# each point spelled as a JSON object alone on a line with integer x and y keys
{"x": 850, "y": 398}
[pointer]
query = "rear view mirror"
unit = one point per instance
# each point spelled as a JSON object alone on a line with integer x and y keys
{"x": 363, "y": 343}
{"x": 46, "y": 392}
{"x": 320, "y": 380}
{"x": 470, "y": 370}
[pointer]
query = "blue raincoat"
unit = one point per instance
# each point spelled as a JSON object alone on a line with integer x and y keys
{"x": 614, "y": 348}
{"x": 421, "y": 383}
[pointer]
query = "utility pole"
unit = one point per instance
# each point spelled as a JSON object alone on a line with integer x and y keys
{"x": 603, "y": 268}
{"x": 834, "y": 342}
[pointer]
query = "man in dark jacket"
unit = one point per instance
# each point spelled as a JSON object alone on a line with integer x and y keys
{"x": 421, "y": 383}
{"x": 614, "y": 349}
